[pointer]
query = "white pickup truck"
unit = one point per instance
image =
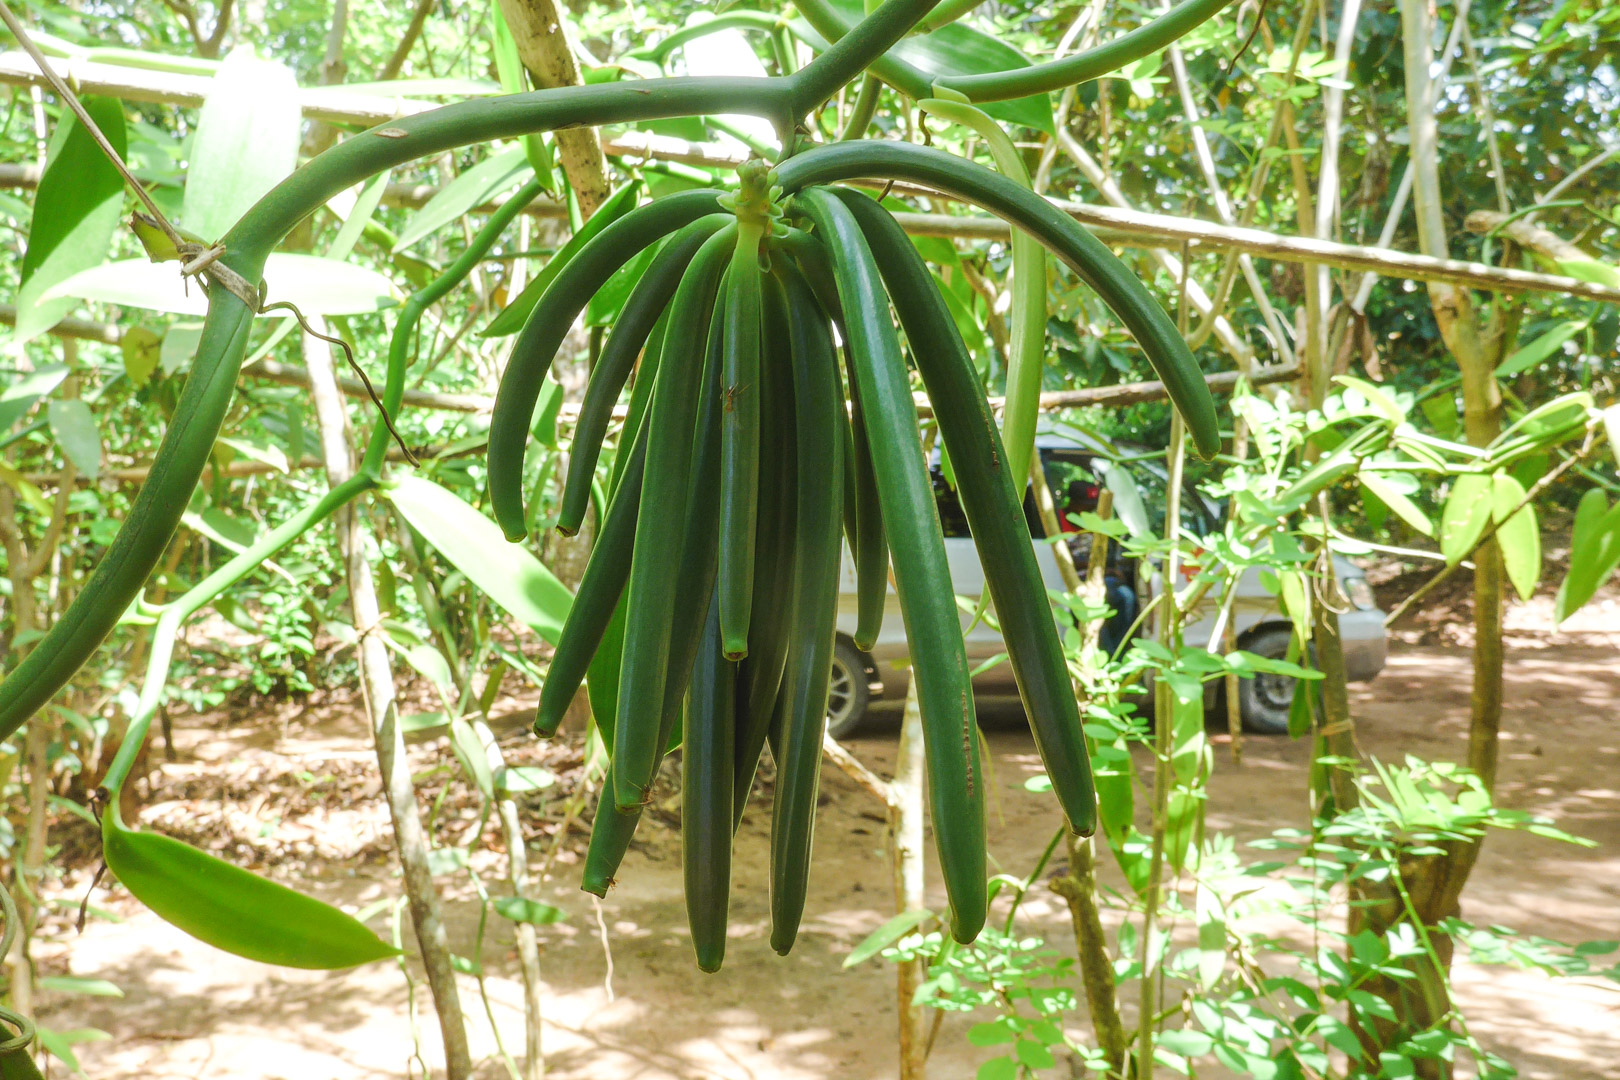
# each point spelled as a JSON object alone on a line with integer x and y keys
{"x": 1076, "y": 464}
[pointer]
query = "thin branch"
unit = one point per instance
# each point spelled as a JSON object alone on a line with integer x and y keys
{"x": 880, "y": 788}
{"x": 1257, "y": 175}
{"x": 1578, "y": 175}
{"x": 71, "y": 100}
{"x": 1098, "y": 174}
{"x": 402, "y": 52}
{"x": 209, "y": 46}
{"x": 1403, "y": 190}
{"x": 1134, "y": 228}
{"x": 1223, "y": 207}
{"x": 1521, "y": 231}
{"x": 46, "y": 547}
{"x": 1487, "y": 118}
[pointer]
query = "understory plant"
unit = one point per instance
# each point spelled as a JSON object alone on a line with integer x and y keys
{"x": 1198, "y": 946}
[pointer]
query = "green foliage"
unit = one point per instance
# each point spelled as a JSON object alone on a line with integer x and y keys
{"x": 1389, "y": 456}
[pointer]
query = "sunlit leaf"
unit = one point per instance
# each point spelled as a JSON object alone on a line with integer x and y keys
{"x": 246, "y": 141}
{"x": 473, "y": 544}
{"x": 71, "y": 984}
{"x": 76, "y": 213}
{"x": 1467, "y": 512}
{"x": 1396, "y": 500}
{"x": 231, "y": 909}
{"x": 886, "y": 935}
{"x": 73, "y": 426}
{"x": 522, "y": 909}
{"x": 1519, "y": 536}
{"x": 19, "y": 397}
{"x": 1594, "y": 552}
{"x": 477, "y": 185}
{"x": 1599, "y": 273}
{"x": 1528, "y": 356}
{"x": 317, "y": 286}
{"x": 60, "y": 1044}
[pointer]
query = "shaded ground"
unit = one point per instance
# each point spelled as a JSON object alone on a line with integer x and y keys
{"x": 307, "y": 812}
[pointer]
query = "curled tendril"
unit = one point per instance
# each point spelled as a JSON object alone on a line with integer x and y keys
{"x": 23, "y": 1028}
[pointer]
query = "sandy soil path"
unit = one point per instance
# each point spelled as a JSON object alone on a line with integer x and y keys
{"x": 192, "y": 1012}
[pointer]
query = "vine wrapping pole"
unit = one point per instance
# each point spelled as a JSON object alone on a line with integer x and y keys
{"x": 903, "y": 799}
{"x": 378, "y": 685}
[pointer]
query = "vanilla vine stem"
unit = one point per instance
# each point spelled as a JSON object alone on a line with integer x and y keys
{"x": 189, "y": 441}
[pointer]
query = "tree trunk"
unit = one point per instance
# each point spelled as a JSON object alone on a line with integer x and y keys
{"x": 1435, "y": 882}
{"x": 378, "y": 683}
{"x": 537, "y": 27}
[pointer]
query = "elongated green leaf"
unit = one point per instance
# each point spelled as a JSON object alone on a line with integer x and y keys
{"x": 28, "y": 492}
{"x": 473, "y": 544}
{"x": 231, "y": 909}
{"x": 1442, "y": 413}
{"x": 359, "y": 213}
{"x": 1211, "y": 918}
{"x": 521, "y": 779}
{"x": 1543, "y": 426}
{"x": 1519, "y": 536}
{"x": 515, "y": 314}
{"x": 1128, "y": 504}
{"x": 246, "y": 141}
{"x": 74, "y": 428}
{"x": 469, "y": 751}
{"x": 887, "y": 934}
{"x": 1599, "y": 273}
{"x": 72, "y": 984}
{"x": 75, "y": 215}
{"x": 1594, "y": 552}
{"x": 1528, "y": 356}
{"x": 60, "y": 1044}
{"x": 1295, "y": 602}
{"x": 473, "y": 187}
{"x": 1397, "y": 501}
{"x": 522, "y": 909}
{"x": 1376, "y": 397}
{"x": 432, "y": 666}
{"x": 317, "y": 286}
{"x": 19, "y": 397}
{"x": 1467, "y": 512}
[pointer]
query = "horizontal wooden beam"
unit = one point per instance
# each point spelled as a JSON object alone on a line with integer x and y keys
{"x": 1127, "y": 228}
{"x": 1134, "y": 228}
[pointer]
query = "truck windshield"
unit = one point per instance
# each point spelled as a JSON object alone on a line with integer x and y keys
{"x": 1075, "y": 481}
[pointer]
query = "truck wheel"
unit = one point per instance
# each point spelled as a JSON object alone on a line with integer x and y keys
{"x": 1265, "y": 700}
{"x": 848, "y": 695}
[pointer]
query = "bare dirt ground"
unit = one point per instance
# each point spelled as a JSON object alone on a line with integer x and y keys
{"x": 303, "y": 807}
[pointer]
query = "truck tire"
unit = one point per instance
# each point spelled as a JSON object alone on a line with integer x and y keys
{"x": 848, "y": 695}
{"x": 1265, "y": 700}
